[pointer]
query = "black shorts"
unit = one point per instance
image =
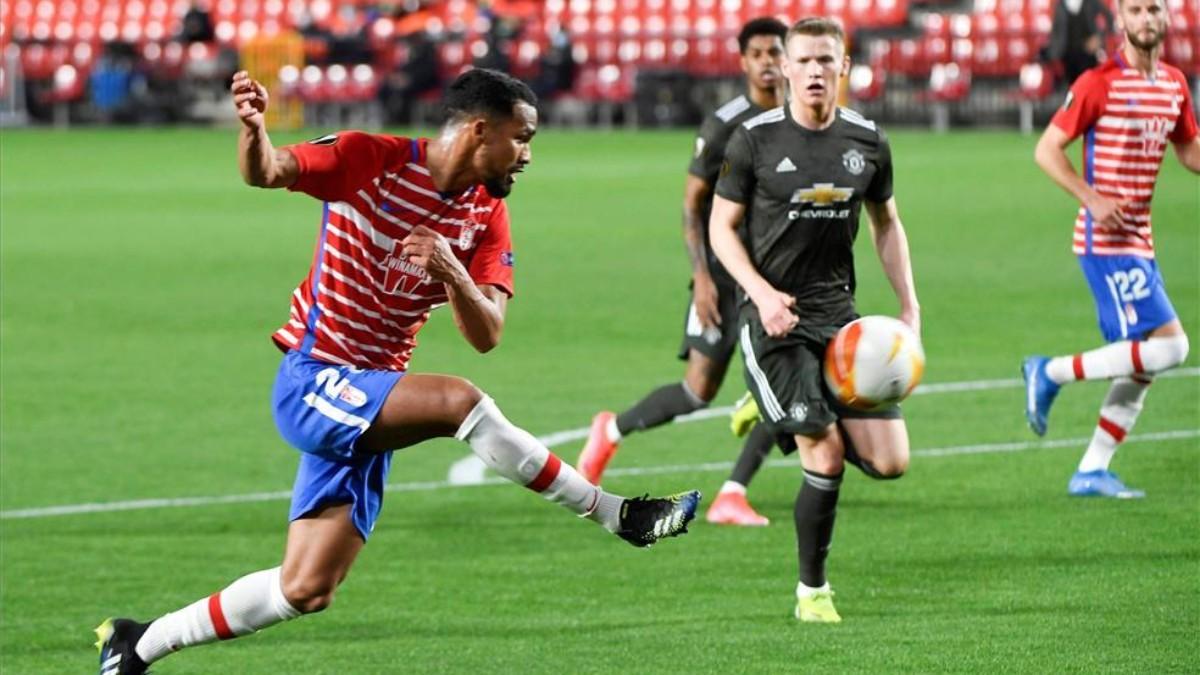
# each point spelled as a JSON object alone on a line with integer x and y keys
{"x": 786, "y": 377}
{"x": 716, "y": 343}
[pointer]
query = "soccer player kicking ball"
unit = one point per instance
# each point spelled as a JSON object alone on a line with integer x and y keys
{"x": 710, "y": 329}
{"x": 798, "y": 176}
{"x": 1126, "y": 110}
{"x": 407, "y": 225}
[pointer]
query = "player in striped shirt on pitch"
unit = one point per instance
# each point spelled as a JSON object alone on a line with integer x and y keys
{"x": 407, "y": 225}
{"x": 1127, "y": 111}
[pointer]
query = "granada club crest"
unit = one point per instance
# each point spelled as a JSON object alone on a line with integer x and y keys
{"x": 466, "y": 236}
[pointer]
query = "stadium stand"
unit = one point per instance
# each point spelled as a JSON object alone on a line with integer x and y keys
{"x": 967, "y": 56}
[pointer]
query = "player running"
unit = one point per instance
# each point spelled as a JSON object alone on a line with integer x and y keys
{"x": 1126, "y": 110}
{"x": 407, "y": 225}
{"x": 710, "y": 329}
{"x": 799, "y": 175}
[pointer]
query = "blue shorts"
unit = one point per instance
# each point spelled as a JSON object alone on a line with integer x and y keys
{"x": 1130, "y": 297}
{"x": 322, "y": 409}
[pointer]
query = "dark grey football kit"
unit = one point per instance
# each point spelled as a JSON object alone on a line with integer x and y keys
{"x": 803, "y": 191}
{"x": 717, "y": 343}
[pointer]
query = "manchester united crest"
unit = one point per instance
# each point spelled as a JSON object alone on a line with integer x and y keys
{"x": 854, "y": 161}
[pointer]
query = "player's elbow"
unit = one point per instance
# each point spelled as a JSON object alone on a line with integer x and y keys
{"x": 487, "y": 342}
{"x": 254, "y": 179}
{"x": 1039, "y": 154}
{"x": 485, "y": 346}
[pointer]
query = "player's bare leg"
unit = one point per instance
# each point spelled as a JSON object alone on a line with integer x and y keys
{"x": 423, "y": 406}
{"x": 816, "y": 509}
{"x": 323, "y": 545}
{"x": 701, "y": 382}
{"x": 879, "y": 446}
{"x": 320, "y": 550}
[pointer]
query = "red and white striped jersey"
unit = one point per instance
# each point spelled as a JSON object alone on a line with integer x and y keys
{"x": 1126, "y": 120}
{"x": 362, "y": 304}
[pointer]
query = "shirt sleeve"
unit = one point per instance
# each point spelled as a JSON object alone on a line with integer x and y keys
{"x": 1083, "y": 106}
{"x": 736, "y": 182}
{"x": 880, "y": 189}
{"x": 492, "y": 262}
{"x": 333, "y": 166}
{"x": 709, "y": 151}
{"x": 1185, "y": 127}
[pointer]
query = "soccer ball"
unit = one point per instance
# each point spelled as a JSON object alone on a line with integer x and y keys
{"x": 874, "y": 362}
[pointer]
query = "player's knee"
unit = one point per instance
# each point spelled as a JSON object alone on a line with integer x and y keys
{"x": 703, "y": 389}
{"x": 700, "y": 391}
{"x": 828, "y": 465}
{"x": 1163, "y": 353}
{"x": 1176, "y": 349}
{"x": 309, "y": 593}
{"x": 889, "y": 467}
{"x": 460, "y": 400}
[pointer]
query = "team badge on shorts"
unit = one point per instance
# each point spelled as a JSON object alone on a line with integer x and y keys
{"x": 353, "y": 396}
{"x": 854, "y": 161}
{"x": 799, "y": 412}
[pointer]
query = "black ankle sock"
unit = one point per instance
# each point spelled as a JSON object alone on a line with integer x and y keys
{"x": 660, "y": 406}
{"x": 758, "y": 446}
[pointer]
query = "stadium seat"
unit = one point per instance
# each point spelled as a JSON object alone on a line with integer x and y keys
{"x": 866, "y": 82}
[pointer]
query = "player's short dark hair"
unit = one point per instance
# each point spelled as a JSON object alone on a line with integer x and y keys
{"x": 817, "y": 26}
{"x": 481, "y": 91}
{"x": 763, "y": 25}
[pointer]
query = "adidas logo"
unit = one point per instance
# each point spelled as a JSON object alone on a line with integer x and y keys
{"x": 785, "y": 166}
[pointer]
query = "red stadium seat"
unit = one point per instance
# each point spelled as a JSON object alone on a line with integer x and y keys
{"x": 866, "y": 82}
{"x": 949, "y": 82}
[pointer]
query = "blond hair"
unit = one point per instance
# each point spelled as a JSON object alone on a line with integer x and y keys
{"x": 817, "y": 26}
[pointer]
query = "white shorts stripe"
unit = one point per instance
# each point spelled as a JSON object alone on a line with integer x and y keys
{"x": 773, "y": 409}
{"x": 1112, "y": 288}
{"x": 337, "y": 415}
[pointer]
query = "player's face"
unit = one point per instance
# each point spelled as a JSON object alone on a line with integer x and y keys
{"x": 1144, "y": 22}
{"x": 814, "y": 66}
{"x": 762, "y": 60}
{"x": 504, "y": 151}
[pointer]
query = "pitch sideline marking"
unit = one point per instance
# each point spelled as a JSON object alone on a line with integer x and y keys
{"x": 958, "y": 450}
{"x": 470, "y": 470}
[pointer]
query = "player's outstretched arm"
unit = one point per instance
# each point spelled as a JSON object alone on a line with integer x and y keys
{"x": 260, "y": 163}
{"x": 1051, "y": 156}
{"x": 891, "y": 244}
{"x": 704, "y": 291}
{"x": 1189, "y": 154}
{"x": 478, "y": 310}
{"x": 774, "y": 306}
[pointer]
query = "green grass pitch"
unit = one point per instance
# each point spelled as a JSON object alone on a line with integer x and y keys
{"x": 140, "y": 283}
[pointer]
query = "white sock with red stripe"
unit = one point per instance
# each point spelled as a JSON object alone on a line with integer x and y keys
{"x": 1117, "y": 416}
{"x": 515, "y": 454}
{"x": 251, "y": 603}
{"x": 1118, "y": 359}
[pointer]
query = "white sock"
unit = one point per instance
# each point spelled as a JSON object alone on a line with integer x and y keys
{"x": 803, "y": 591}
{"x": 1128, "y": 357}
{"x": 515, "y": 454}
{"x": 733, "y": 487}
{"x": 1117, "y": 417}
{"x": 611, "y": 430}
{"x": 251, "y": 603}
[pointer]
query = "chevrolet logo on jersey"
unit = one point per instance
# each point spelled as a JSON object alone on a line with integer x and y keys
{"x": 822, "y": 194}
